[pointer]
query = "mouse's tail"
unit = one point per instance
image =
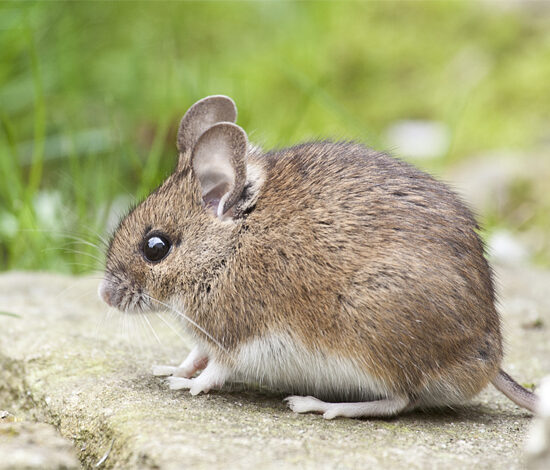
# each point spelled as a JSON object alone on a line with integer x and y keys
{"x": 515, "y": 392}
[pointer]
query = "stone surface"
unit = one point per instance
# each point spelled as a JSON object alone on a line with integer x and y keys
{"x": 34, "y": 446}
{"x": 66, "y": 360}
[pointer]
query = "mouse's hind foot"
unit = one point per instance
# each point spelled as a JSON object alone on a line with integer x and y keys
{"x": 378, "y": 408}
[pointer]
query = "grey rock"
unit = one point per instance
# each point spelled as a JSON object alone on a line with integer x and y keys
{"x": 66, "y": 360}
{"x": 34, "y": 446}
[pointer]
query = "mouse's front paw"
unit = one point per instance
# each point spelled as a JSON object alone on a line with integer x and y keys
{"x": 193, "y": 385}
{"x": 212, "y": 377}
{"x": 179, "y": 383}
{"x": 163, "y": 371}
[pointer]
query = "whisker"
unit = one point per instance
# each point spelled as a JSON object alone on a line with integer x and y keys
{"x": 124, "y": 319}
{"x": 72, "y": 284}
{"x": 82, "y": 265}
{"x": 82, "y": 242}
{"x": 152, "y": 329}
{"x": 196, "y": 325}
{"x": 96, "y": 234}
{"x": 78, "y": 252}
{"x": 65, "y": 234}
{"x": 77, "y": 296}
{"x": 170, "y": 326}
{"x": 141, "y": 330}
{"x": 136, "y": 331}
{"x": 100, "y": 323}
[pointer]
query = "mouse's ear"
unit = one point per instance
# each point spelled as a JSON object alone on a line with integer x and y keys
{"x": 202, "y": 115}
{"x": 219, "y": 164}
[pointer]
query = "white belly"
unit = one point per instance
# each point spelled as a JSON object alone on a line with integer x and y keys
{"x": 280, "y": 363}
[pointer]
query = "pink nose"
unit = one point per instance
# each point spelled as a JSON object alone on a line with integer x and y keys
{"x": 103, "y": 292}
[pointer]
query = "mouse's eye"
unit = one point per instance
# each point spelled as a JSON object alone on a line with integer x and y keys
{"x": 156, "y": 247}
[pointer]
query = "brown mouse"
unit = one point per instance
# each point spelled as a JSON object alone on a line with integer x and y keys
{"x": 325, "y": 269}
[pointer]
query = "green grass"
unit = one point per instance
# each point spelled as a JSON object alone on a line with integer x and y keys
{"x": 8, "y": 314}
{"x": 91, "y": 95}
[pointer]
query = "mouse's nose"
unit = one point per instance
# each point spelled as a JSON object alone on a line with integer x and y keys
{"x": 104, "y": 293}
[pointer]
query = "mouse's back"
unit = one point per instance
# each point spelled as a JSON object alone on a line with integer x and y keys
{"x": 359, "y": 255}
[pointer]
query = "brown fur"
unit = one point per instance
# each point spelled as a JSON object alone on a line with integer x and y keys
{"x": 348, "y": 250}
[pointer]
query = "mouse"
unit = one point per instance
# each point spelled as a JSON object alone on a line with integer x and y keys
{"x": 336, "y": 274}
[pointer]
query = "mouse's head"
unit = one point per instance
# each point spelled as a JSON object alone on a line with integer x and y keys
{"x": 179, "y": 237}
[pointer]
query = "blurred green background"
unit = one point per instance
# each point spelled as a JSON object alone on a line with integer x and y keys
{"x": 91, "y": 95}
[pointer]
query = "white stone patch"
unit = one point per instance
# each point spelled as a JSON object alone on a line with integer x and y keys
{"x": 505, "y": 248}
{"x": 418, "y": 138}
{"x": 538, "y": 442}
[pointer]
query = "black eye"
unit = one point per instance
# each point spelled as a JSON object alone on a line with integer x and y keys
{"x": 156, "y": 247}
